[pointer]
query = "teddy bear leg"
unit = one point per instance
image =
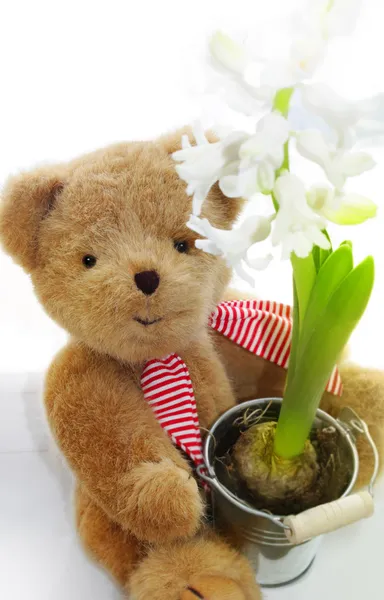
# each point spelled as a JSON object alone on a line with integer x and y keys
{"x": 202, "y": 568}
{"x": 363, "y": 391}
{"x": 114, "y": 549}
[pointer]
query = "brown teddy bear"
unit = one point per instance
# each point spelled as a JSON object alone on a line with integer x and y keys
{"x": 105, "y": 241}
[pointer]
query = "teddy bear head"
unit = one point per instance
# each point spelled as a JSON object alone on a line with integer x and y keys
{"x": 105, "y": 241}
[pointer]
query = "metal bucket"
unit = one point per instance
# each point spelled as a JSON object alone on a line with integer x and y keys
{"x": 260, "y": 535}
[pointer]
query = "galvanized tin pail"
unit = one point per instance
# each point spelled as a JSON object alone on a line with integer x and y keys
{"x": 260, "y": 535}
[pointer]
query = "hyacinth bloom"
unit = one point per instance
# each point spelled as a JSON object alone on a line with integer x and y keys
{"x": 312, "y": 120}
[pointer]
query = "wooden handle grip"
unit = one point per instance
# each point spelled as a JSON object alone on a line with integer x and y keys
{"x": 329, "y": 517}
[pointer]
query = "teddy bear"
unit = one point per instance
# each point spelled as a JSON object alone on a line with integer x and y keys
{"x": 105, "y": 241}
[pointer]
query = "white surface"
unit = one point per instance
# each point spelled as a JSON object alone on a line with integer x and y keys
{"x": 76, "y": 76}
{"x": 41, "y": 559}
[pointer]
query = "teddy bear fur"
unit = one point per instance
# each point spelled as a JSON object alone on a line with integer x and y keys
{"x": 139, "y": 511}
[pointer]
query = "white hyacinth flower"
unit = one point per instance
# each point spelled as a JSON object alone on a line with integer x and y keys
{"x": 303, "y": 59}
{"x": 267, "y": 144}
{"x": 231, "y": 61}
{"x": 205, "y": 163}
{"x": 342, "y": 209}
{"x": 323, "y": 20}
{"x": 351, "y": 122}
{"x": 249, "y": 83}
{"x": 326, "y": 131}
{"x": 228, "y": 54}
{"x": 338, "y": 165}
{"x": 331, "y": 18}
{"x": 337, "y": 17}
{"x": 260, "y": 156}
{"x": 297, "y": 227}
{"x": 233, "y": 244}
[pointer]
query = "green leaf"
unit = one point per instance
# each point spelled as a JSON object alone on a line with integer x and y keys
{"x": 304, "y": 273}
{"x": 319, "y": 254}
{"x": 337, "y": 266}
{"x": 329, "y": 240}
{"x": 324, "y": 255}
{"x": 295, "y": 336}
{"x": 316, "y": 257}
{"x": 343, "y": 312}
{"x": 319, "y": 356}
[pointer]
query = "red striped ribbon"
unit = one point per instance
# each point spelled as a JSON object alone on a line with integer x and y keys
{"x": 262, "y": 327}
{"x": 167, "y": 387}
{"x": 265, "y": 329}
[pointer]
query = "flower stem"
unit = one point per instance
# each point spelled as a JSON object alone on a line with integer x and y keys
{"x": 296, "y": 415}
{"x": 299, "y": 405}
{"x": 296, "y": 419}
{"x": 304, "y": 271}
{"x": 281, "y": 104}
{"x": 282, "y": 101}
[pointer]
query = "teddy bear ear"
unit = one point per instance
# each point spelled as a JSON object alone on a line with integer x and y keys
{"x": 26, "y": 200}
{"x": 171, "y": 142}
{"x": 221, "y": 211}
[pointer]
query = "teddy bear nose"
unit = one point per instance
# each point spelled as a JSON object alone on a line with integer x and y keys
{"x": 147, "y": 282}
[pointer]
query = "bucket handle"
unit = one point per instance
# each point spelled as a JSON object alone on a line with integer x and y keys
{"x": 326, "y": 517}
{"x": 345, "y": 511}
{"x": 356, "y": 426}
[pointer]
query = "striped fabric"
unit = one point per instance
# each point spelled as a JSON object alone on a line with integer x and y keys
{"x": 262, "y": 327}
{"x": 265, "y": 329}
{"x": 167, "y": 387}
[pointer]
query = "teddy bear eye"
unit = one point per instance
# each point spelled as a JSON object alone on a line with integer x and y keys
{"x": 89, "y": 261}
{"x": 181, "y": 247}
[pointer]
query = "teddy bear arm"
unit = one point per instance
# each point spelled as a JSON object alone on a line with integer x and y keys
{"x": 251, "y": 376}
{"x": 363, "y": 391}
{"x": 117, "y": 449}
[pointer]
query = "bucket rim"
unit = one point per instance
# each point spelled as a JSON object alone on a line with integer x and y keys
{"x": 241, "y": 504}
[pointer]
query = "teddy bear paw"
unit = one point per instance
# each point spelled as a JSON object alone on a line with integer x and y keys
{"x": 164, "y": 503}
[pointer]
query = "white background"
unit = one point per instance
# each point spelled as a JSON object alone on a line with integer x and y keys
{"x": 79, "y": 75}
